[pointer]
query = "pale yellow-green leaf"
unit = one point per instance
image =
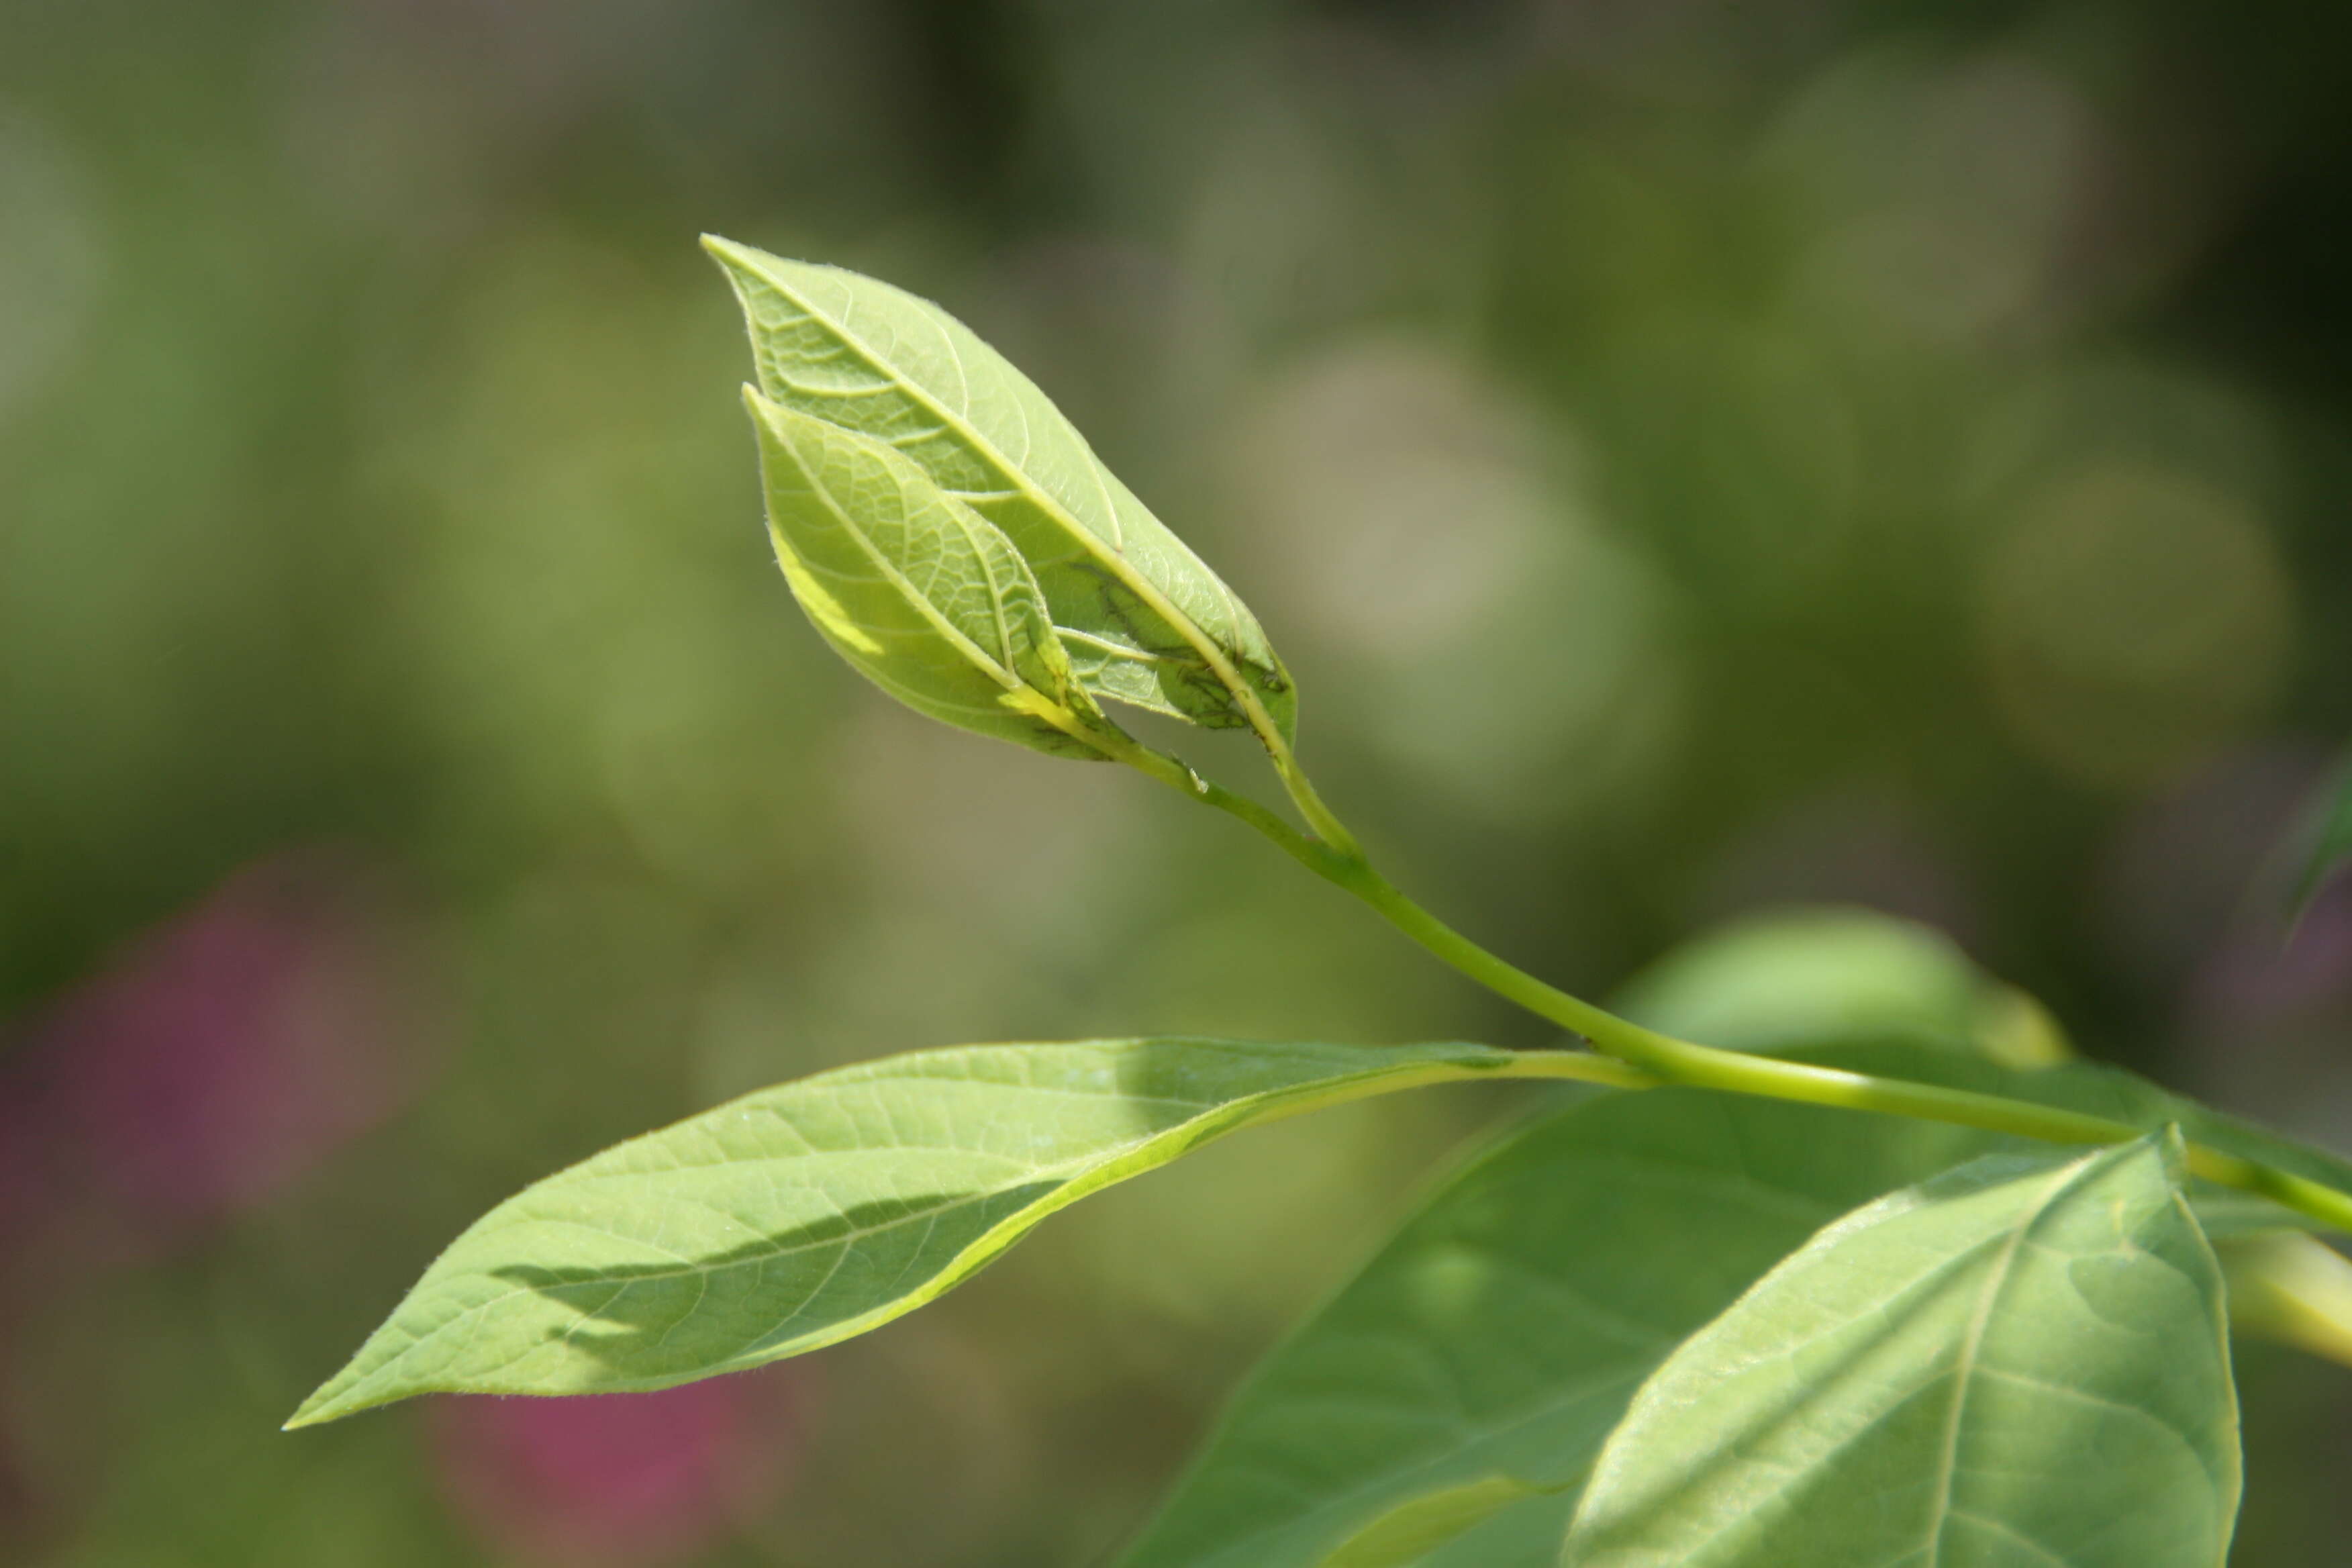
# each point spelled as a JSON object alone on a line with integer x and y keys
{"x": 914, "y": 589}
{"x": 1145, "y": 620}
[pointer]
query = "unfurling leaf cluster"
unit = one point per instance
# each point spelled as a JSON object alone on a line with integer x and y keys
{"x": 956, "y": 539}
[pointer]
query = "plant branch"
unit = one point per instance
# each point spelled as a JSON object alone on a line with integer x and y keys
{"x": 1656, "y": 1059}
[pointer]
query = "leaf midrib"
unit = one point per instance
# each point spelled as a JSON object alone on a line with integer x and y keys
{"x": 1972, "y": 1344}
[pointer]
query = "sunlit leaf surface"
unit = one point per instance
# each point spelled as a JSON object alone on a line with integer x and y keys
{"x": 800, "y": 1215}
{"x": 914, "y": 589}
{"x": 2022, "y": 1363}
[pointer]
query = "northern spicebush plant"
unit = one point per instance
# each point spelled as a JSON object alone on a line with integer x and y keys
{"x": 1878, "y": 1278}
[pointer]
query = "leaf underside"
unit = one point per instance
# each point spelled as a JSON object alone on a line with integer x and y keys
{"x": 2020, "y": 1363}
{"x": 800, "y": 1215}
{"x": 1141, "y": 614}
{"x": 917, "y": 591}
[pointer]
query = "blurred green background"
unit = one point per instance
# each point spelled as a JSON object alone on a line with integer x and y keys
{"x": 1694, "y": 457}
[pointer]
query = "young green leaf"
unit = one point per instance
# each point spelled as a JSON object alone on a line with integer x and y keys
{"x": 914, "y": 589}
{"x": 2022, "y": 1362}
{"x": 801, "y": 1215}
{"x": 1145, "y": 620}
{"x": 1505, "y": 1328}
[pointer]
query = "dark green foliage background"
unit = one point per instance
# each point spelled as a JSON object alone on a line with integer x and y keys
{"x": 1693, "y": 456}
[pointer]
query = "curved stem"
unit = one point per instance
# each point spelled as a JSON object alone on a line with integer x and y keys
{"x": 1320, "y": 816}
{"x": 1656, "y": 1059}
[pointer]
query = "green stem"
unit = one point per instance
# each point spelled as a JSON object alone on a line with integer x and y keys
{"x": 1657, "y": 1059}
{"x": 1320, "y": 816}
